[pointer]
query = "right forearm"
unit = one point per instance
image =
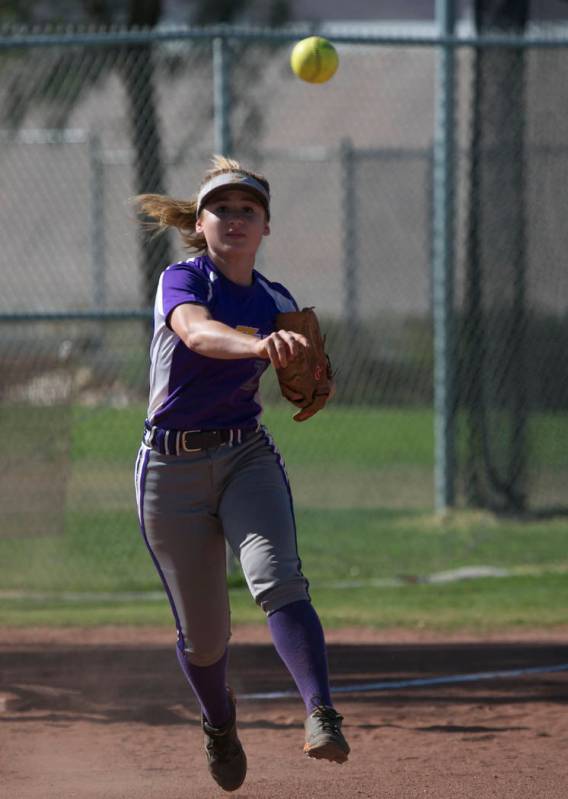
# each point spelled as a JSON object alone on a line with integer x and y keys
{"x": 213, "y": 339}
{"x": 216, "y": 340}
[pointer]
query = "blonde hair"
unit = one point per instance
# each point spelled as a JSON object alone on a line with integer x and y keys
{"x": 163, "y": 212}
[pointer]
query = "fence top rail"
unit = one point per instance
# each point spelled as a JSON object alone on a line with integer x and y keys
{"x": 20, "y": 38}
{"x": 124, "y": 315}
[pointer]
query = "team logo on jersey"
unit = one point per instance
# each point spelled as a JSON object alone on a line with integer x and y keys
{"x": 250, "y": 331}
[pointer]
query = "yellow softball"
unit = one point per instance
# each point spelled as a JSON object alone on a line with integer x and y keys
{"x": 314, "y": 59}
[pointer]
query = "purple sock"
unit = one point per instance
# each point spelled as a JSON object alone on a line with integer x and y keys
{"x": 209, "y": 685}
{"x": 298, "y": 637}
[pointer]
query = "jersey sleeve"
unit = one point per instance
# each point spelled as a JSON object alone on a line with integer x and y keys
{"x": 283, "y": 299}
{"x": 183, "y": 283}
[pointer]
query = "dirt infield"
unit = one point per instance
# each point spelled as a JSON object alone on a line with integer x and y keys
{"x": 106, "y": 713}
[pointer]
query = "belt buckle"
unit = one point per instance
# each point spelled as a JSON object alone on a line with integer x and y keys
{"x": 183, "y": 439}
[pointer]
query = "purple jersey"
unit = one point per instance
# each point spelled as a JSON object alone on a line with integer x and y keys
{"x": 189, "y": 391}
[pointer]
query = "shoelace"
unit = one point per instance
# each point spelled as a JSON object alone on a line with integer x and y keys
{"x": 330, "y": 719}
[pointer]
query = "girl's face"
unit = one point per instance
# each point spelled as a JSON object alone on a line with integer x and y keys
{"x": 233, "y": 222}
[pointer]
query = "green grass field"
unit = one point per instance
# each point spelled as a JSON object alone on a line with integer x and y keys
{"x": 369, "y": 539}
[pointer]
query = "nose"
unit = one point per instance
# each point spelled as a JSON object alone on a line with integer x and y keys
{"x": 236, "y": 218}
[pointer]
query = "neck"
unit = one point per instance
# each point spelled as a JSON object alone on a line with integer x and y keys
{"x": 237, "y": 269}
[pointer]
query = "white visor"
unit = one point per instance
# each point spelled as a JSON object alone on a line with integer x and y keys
{"x": 234, "y": 180}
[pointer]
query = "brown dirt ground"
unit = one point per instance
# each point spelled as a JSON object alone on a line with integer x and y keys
{"x": 106, "y": 714}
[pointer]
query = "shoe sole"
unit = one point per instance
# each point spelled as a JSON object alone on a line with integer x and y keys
{"x": 230, "y": 784}
{"x": 326, "y": 751}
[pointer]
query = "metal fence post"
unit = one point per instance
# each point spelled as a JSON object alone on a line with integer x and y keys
{"x": 222, "y": 96}
{"x": 349, "y": 227}
{"x": 443, "y": 264}
{"x": 97, "y": 223}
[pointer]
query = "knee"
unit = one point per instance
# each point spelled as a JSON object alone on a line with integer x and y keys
{"x": 203, "y": 654}
{"x": 283, "y": 594}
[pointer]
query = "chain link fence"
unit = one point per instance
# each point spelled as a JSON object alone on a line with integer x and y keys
{"x": 87, "y": 122}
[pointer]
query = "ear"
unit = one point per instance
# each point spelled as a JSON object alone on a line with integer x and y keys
{"x": 198, "y": 225}
{"x": 266, "y": 231}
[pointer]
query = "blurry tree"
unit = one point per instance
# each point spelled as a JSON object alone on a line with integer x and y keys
{"x": 137, "y": 71}
{"x": 64, "y": 75}
{"x": 493, "y": 375}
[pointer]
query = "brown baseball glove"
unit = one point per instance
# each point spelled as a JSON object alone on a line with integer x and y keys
{"x": 307, "y": 381}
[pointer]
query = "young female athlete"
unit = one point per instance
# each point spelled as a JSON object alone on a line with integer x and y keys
{"x": 207, "y": 470}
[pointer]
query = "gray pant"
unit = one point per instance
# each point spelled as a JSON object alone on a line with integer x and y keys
{"x": 189, "y": 505}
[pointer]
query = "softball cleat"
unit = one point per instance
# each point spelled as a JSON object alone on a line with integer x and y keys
{"x": 324, "y": 739}
{"x": 226, "y": 757}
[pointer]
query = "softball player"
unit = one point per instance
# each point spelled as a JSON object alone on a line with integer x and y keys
{"x": 209, "y": 472}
